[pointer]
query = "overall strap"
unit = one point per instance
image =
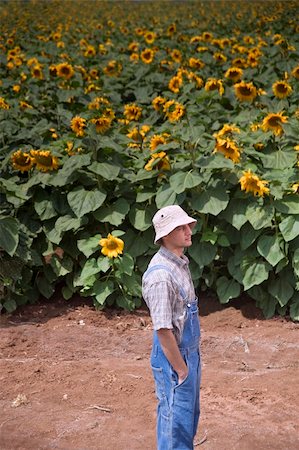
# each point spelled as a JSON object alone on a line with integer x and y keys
{"x": 164, "y": 267}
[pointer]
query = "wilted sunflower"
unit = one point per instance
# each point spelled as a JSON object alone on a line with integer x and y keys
{"x": 281, "y": 89}
{"x": 25, "y": 105}
{"x": 113, "y": 68}
{"x": 234, "y": 73}
{"x": 196, "y": 63}
{"x": 175, "y": 84}
{"x": 21, "y": 161}
{"x": 102, "y": 124}
{"x": 3, "y": 104}
{"x": 65, "y": 70}
{"x": 213, "y": 84}
{"x": 252, "y": 183}
{"x": 158, "y": 139}
{"x": 98, "y": 102}
{"x": 295, "y": 72}
{"x": 138, "y": 134}
{"x": 158, "y": 103}
{"x": 273, "y": 122}
{"x": 147, "y": 55}
{"x": 196, "y": 79}
{"x": 220, "y": 57}
{"x": 158, "y": 161}
{"x": 78, "y": 125}
{"x": 228, "y": 148}
{"x": 245, "y": 92}
{"x": 111, "y": 246}
{"x": 173, "y": 110}
{"x": 44, "y": 160}
{"x": 132, "y": 112}
{"x": 227, "y": 129}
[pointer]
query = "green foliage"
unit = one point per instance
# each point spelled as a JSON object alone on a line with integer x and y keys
{"x": 101, "y": 180}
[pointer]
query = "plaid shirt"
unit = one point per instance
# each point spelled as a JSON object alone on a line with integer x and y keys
{"x": 160, "y": 290}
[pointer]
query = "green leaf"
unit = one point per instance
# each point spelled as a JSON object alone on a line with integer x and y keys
{"x": 83, "y": 202}
{"x": 44, "y": 208}
{"x": 279, "y": 159}
{"x": 295, "y": 262}
{"x": 67, "y": 292}
{"x": 45, "y": 287}
{"x": 89, "y": 245}
{"x": 102, "y": 290}
{"x": 125, "y": 264}
{"x": 269, "y": 248}
{"x": 104, "y": 263}
{"x": 90, "y": 268}
{"x": 114, "y": 213}
{"x": 165, "y": 196}
{"x": 259, "y": 216}
{"x": 144, "y": 195}
{"x": 69, "y": 169}
{"x": 235, "y": 213}
{"x": 227, "y": 289}
{"x": 289, "y": 228}
{"x": 181, "y": 181}
{"x": 288, "y": 205}
{"x": 9, "y": 234}
{"x": 294, "y": 308}
{"x": 255, "y": 272}
{"x": 203, "y": 253}
{"x": 216, "y": 161}
{"x": 61, "y": 266}
{"x": 212, "y": 201}
{"x": 281, "y": 290}
{"x": 105, "y": 170}
{"x": 9, "y": 305}
{"x": 248, "y": 236}
{"x": 141, "y": 218}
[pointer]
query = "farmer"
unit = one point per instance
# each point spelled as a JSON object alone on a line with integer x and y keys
{"x": 168, "y": 291}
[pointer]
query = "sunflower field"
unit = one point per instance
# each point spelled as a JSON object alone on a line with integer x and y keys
{"x": 112, "y": 109}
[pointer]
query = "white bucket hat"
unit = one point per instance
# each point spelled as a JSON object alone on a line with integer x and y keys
{"x": 168, "y": 218}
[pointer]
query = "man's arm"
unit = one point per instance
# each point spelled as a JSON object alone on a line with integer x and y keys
{"x": 172, "y": 352}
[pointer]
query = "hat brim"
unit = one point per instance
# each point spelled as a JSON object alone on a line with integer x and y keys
{"x": 173, "y": 226}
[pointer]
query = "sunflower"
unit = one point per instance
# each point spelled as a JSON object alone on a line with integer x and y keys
{"x": 78, "y": 125}
{"x": 207, "y": 36}
{"x": 196, "y": 79}
{"x": 147, "y": 55}
{"x": 281, "y": 89}
{"x": 132, "y": 112}
{"x": 227, "y": 129}
{"x": 273, "y": 122}
{"x": 65, "y": 70}
{"x": 173, "y": 110}
{"x": 196, "y": 63}
{"x": 295, "y": 188}
{"x": 149, "y": 37}
{"x": 175, "y": 83}
{"x": 44, "y": 160}
{"x": 234, "y": 73}
{"x": 113, "y": 68}
{"x": 111, "y": 246}
{"x": 158, "y": 160}
{"x": 3, "y": 104}
{"x": 239, "y": 62}
{"x": 156, "y": 140}
{"x": 134, "y": 57}
{"x": 252, "y": 183}
{"x": 171, "y": 29}
{"x": 98, "y": 102}
{"x": 158, "y": 103}
{"x": 133, "y": 46}
{"x": 102, "y": 124}
{"x": 245, "y": 92}
{"x": 21, "y": 161}
{"x": 295, "y": 72}
{"x": 90, "y": 51}
{"x": 37, "y": 72}
{"x": 213, "y": 84}
{"x": 176, "y": 55}
{"x": 220, "y": 57}
{"x": 229, "y": 149}
{"x": 138, "y": 134}
{"x": 25, "y": 105}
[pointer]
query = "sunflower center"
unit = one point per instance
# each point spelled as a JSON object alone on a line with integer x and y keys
{"x": 274, "y": 121}
{"x": 245, "y": 90}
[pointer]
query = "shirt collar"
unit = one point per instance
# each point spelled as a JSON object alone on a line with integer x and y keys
{"x": 180, "y": 261}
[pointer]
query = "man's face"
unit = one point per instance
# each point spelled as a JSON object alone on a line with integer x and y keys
{"x": 179, "y": 238}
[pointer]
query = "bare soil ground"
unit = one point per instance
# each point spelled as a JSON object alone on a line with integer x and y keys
{"x": 73, "y": 378}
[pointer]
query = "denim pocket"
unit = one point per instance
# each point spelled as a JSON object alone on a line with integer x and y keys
{"x": 161, "y": 391}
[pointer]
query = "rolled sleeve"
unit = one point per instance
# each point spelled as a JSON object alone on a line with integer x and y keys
{"x": 159, "y": 300}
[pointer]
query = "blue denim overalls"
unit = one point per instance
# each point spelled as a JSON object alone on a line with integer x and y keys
{"x": 178, "y": 408}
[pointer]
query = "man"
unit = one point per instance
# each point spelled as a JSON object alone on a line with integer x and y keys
{"x": 168, "y": 291}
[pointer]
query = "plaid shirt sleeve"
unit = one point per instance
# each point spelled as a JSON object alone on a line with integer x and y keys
{"x": 159, "y": 298}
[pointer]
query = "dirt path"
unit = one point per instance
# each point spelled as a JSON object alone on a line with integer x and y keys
{"x": 76, "y": 379}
